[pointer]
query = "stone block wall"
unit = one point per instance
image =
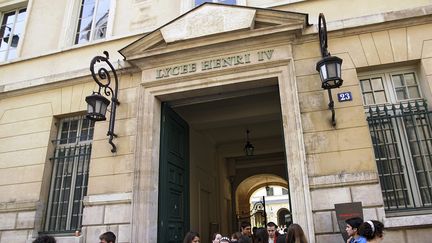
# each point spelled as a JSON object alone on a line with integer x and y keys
{"x": 340, "y": 159}
{"x": 108, "y": 212}
{"x": 324, "y": 198}
{"x": 27, "y": 127}
{"x": 26, "y": 131}
{"x": 16, "y": 226}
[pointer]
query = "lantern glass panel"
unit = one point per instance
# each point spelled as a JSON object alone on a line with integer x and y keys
{"x": 331, "y": 68}
{"x": 90, "y": 107}
{"x": 338, "y": 70}
{"x": 324, "y": 75}
{"x": 98, "y": 106}
{"x": 103, "y": 108}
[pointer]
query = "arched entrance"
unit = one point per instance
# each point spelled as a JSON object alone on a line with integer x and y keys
{"x": 258, "y": 92}
{"x": 284, "y": 217}
{"x": 259, "y": 198}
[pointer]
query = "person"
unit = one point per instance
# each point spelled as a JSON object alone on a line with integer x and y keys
{"x": 216, "y": 238}
{"x": 45, "y": 239}
{"x": 245, "y": 228}
{"x": 295, "y": 234}
{"x": 224, "y": 240}
{"x": 191, "y": 237}
{"x": 254, "y": 229}
{"x": 352, "y": 226}
{"x": 271, "y": 230}
{"x": 281, "y": 229}
{"x": 261, "y": 236}
{"x": 372, "y": 230}
{"x": 235, "y": 236}
{"x": 244, "y": 239}
{"x": 107, "y": 237}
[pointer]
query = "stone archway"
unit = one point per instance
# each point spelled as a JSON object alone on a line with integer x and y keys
{"x": 284, "y": 217}
{"x": 248, "y": 186}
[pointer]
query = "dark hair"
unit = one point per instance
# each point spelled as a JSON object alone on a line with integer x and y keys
{"x": 366, "y": 230}
{"x": 214, "y": 235}
{"x": 354, "y": 222}
{"x": 295, "y": 234}
{"x": 108, "y": 237}
{"x": 244, "y": 239}
{"x": 271, "y": 224}
{"x": 261, "y": 236}
{"x": 254, "y": 229}
{"x": 190, "y": 236}
{"x": 245, "y": 224}
{"x": 236, "y": 235}
{"x": 45, "y": 239}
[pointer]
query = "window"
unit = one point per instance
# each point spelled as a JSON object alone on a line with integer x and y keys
{"x": 284, "y": 191}
{"x": 93, "y": 21}
{"x": 401, "y": 131}
{"x": 400, "y": 86}
{"x": 70, "y": 175}
{"x": 11, "y": 30}
{"x": 199, "y": 2}
{"x": 270, "y": 191}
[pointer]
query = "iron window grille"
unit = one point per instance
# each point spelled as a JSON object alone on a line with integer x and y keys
{"x": 70, "y": 175}
{"x": 402, "y": 139}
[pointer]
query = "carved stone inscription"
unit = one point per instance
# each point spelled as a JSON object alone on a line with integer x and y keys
{"x": 215, "y": 63}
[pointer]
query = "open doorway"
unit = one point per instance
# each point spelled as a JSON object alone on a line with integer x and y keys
{"x": 269, "y": 204}
{"x": 215, "y": 163}
{"x": 268, "y": 201}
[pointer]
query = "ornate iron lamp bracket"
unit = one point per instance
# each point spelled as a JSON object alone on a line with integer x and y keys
{"x": 322, "y": 32}
{"x": 103, "y": 79}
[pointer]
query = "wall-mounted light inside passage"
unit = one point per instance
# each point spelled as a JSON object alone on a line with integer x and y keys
{"x": 248, "y": 148}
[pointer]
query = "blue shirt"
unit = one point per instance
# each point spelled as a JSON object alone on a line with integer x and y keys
{"x": 359, "y": 239}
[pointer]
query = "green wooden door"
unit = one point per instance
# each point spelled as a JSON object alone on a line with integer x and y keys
{"x": 173, "y": 219}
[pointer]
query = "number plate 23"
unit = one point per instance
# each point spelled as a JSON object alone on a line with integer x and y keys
{"x": 345, "y": 96}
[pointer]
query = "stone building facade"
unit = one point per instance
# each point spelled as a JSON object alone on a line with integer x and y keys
{"x": 192, "y": 80}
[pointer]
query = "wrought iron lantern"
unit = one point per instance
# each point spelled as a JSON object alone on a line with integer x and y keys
{"x": 329, "y": 66}
{"x": 96, "y": 107}
{"x": 330, "y": 72}
{"x": 248, "y": 148}
{"x": 97, "y": 104}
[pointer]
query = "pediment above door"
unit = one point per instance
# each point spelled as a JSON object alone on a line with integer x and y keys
{"x": 213, "y": 23}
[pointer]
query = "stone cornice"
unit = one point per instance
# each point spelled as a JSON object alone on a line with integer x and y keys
{"x": 18, "y": 206}
{"x": 164, "y": 40}
{"x": 370, "y": 23}
{"x": 343, "y": 179}
{"x": 53, "y": 81}
{"x": 106, "y": 199}
{"x": 408, "y": 221}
